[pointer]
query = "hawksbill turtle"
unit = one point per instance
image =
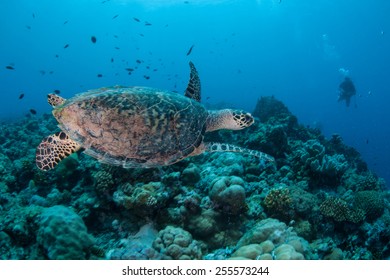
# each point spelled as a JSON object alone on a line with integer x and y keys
{"x": 138, "y": 126}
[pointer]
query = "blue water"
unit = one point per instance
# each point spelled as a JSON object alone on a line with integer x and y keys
{"x": 242, "y": 49}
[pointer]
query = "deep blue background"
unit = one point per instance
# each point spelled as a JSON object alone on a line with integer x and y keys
{"x": 243, "y": 50}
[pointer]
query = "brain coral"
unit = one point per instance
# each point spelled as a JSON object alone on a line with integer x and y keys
{"x": 177, "y": 244}
{"x": 63, "y": 234}
{"x": 228, "y": 194}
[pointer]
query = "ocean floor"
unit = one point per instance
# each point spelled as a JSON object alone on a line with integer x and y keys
{"x": 318, "y": 201}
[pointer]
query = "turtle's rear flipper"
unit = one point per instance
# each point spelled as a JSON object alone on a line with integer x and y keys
{"x": 53, "y": 149}
{"x": 222, "y": 147}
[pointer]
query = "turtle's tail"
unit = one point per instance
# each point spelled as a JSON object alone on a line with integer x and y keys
{"x": 53, "y": 149}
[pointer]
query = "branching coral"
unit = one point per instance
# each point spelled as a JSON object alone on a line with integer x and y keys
{"x": 142, "y": 199}
{"x": 371, "y": 202}
{"x": 278, "y": 203}
{"x": 339, "y": 211}
{"x": 103, "y": 181}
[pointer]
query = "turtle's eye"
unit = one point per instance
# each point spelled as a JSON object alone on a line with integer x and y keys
{"x": 248, "y": 118}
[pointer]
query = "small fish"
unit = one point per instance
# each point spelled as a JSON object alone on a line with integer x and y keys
{"x": 33, "y": 15}
{"x": 28, "y": 27}
{"x": 21, "y": 96}
{"x": 105, "y": 1}
{"x": 147, "y": 23}
{"x": 99, "y": 75}
{"x": 186, "y": 2}
{"x": 57, "y": 91}
{"x": 66, "y": 21}
{"x": 129, "y": 69}
{"x": 117, "y": 48}
{"x": 138, "y": 61}
{"x": 66, "y": 46}
{"x": 142, "y": 35}
{"x": 57, "y": 56}
{"x": 366, "y": 141}
{"x": 93, "y": 39}
{"x": 208, "y": 97}
{"x": 115, "y": 16}
{"x": 190, "y": 50}
{"x": 9, "y": 67}
{"x": 112, "y": 60}
{"x": 136, "y": 19}
{"x": 51, "y": 72}
{"x": 146, "y": 77}
{"x": 115, "y": 36}
{"x": 43, "y": 72}
{"x": 32, "y": 111}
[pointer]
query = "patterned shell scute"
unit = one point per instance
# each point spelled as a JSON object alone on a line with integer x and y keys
{"x": 134, "y": 126}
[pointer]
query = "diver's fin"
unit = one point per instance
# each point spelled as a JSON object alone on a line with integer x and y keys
{"x": 347, "y": 101}
{"x": 193, "y": 88}
{"x": 222, "y": 147}
{"x": 53, "y": 149}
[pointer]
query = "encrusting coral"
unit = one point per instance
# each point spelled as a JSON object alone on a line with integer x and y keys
{"x": 271, "y": 239}
{"x": 63, "y": 234}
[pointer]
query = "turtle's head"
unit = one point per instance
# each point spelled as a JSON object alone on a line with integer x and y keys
{"x": 229, "y": 119}
{"x": 242, "y": 119}
{"x": 54, "y": 99}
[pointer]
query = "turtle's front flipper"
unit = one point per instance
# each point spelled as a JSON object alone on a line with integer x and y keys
{"x": 53, "y": 149}
{"x": 222, "y": 147}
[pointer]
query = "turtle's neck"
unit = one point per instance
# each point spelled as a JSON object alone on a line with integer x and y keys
{"x": 219, "y": 119}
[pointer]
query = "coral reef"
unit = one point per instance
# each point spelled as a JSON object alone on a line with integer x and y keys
{"x": 318, "y": 201}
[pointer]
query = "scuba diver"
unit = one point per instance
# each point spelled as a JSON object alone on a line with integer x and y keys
{"x": 346, "y": 90}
